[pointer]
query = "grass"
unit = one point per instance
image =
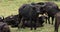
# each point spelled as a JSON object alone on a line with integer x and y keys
{"x": 46, "y": 28}
{"x": 9, "y": 7}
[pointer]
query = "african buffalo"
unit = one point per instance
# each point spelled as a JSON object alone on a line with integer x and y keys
{"x": 3, "y": 26}
{"x": 12, "y": 20}
{"x": 48, "y": 9}
{"x": 57, "y": 20}
{"x": 52, "y": 11}
{"x": 30, "y": 13}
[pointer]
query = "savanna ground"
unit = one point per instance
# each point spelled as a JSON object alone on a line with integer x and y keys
{"x": 9, "y": 7}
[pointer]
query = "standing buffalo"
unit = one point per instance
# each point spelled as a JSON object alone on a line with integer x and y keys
{"x": 49, "y": 9}
{"x": 57, "y": 20}
{"x": 30, "y": 13}
{"x": 52, "y": 11}
{"x": 50, "y": 5}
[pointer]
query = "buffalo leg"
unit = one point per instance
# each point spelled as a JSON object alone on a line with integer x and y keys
{"x": 35, "y": 25}
{"x": 46, "y": 20}
{"x": 31, "y": 24}
{"x": 56, "y": 25}
{"x": 52, "y": 20}
{"x": 23, "y": 23}
{"x": 49, "y": 19}
{"x": 19, "y": 19}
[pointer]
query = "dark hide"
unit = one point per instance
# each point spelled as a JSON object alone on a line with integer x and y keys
{"x": 12, "y": 20}
{"x": 39, "y": 23}
{"x": 3, "y": 26}
{"x": 30, "y": 13}
{"x": 49, "y": 8}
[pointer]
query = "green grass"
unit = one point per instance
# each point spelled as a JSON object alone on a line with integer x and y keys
{"x": 9, "y": 7}
{"x": 46, "y": 28}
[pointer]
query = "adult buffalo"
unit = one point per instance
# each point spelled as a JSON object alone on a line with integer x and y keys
{"x": 53, "y": 11}
{"x": 48, "y": 8}
{"x": 12, "y": 20}
{"x": 30, "y": 13}
{"x": 57, "y": 20}
{"x": 3, "y": 26}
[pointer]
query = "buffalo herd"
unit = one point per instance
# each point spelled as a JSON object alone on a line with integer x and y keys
{"x": 32, "y": 15}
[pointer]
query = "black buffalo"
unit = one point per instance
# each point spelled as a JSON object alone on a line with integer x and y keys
{"x": 53, "y": 11}
{"x": 29, "y": 12}
{"x": 3, "y": 26}
{"x": 12, "y": 20}
{"x": 49, "y": 9}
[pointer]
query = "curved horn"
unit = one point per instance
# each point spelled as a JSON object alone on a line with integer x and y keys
{"x": 42, "y": 4}
{"x": 3, "y": 17}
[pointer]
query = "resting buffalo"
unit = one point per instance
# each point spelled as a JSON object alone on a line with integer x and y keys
{"x": 12, "y": 20}
{"x": 29, "y": 12}
{"x": 3, "y": 26}
{"x": 49, "y": 9}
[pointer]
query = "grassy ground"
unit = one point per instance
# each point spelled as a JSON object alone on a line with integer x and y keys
{"x": 8, "y": 7}
{"x": 46, "y": 28}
